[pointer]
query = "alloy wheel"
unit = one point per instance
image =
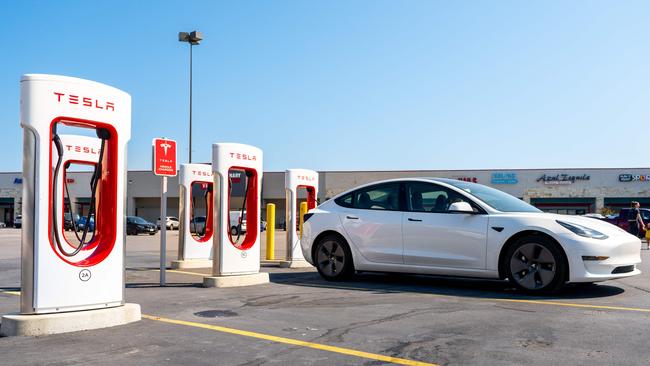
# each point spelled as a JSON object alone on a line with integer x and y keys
{"x": 331, "y": 258}
{"x": 533, "y": 266}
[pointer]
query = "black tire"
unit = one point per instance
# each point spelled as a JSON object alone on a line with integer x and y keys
{"x": 333, "y": 258}
{"x": 536, "y": 265}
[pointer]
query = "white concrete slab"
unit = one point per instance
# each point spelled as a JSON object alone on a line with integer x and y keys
{"x": 45, "y": 324}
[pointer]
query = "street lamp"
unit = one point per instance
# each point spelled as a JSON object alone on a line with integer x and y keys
{"x": 193, "y": 38}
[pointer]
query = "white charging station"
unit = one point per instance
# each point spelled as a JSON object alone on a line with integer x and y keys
{"x": 195, "y": 216}
{"x": 72, "y": 121}
{"x": 237, "y": 173}
{"x": 294, "y": 181}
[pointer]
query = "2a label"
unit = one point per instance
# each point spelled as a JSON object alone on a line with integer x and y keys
{"x": 85, "y": 275}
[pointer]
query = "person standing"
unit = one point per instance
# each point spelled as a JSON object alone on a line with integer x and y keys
{"x": 635, "y": 221}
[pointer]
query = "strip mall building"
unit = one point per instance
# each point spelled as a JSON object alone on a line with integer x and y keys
{"x": 566, "y": 191}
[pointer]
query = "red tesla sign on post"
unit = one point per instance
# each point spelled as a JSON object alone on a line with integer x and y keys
{"x": 164, "y": 157}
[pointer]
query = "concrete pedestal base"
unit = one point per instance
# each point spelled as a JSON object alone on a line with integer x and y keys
{"x": 236, "y": 281}
{"x": 295, "y": 264}
{"x": 192, "y": 263}
{"x": 44, "y": 324}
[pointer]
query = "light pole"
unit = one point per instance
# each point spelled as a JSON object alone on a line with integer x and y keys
{"x": 193, "y": 38}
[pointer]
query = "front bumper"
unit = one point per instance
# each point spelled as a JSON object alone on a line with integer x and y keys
{"x": 623, "y": 252}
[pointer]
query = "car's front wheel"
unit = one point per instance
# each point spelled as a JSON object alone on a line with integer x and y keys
{"x": 333, "y": 258}
{"x": 536, "y": 264}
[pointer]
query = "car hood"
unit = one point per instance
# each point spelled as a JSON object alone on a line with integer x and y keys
{"x": 604, "y": 227}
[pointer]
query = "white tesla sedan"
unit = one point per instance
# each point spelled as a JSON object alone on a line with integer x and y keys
{"x": 450, "y": 227}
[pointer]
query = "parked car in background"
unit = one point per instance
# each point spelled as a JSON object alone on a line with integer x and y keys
{"x": 197, "y": 225}
{"x": 172, "y": 223}
{"x": 81, "y": 223}
{"x": 262, "y": 225}
{"x": 2, "y": 225}
{"x": 621, "y": 220}
{"x": 595, "y": 216}
{"x": 67, "y": 220}
{"x": 137, "y": 225}
{"x": 237, "y": 222}
{"x": 18, "y": 221}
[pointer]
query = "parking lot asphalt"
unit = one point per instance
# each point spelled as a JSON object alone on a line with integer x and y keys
{"x": 299, "y": 319}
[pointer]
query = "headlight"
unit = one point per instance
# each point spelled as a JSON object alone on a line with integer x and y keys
{"x": 583, "y": 230}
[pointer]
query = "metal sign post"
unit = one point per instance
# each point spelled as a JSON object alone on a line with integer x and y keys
{"x": 163, "y": 165}
{"x": 163, "y": 230}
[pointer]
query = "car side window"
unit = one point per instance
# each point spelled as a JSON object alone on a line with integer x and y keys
{"x": 345, "y": 201}
{"x": 379, "y": 197}
{"x": 428, "y": 197}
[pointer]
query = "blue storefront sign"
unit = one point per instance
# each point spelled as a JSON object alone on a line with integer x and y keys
{"x": 18, "y": 180}
{"x": 504, "y": 178}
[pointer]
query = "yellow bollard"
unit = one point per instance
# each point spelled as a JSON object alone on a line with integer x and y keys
{"x": 270, "y": 232}
{"x": 303, "y": 211}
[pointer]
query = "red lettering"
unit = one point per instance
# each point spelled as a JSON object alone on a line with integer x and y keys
{"x": 87, "y": 102}
{"x": 97, "y": 105}
{"x": 74, "y": 99}
{"x": 111, "y": 106}
{"x": 59, "y": 95}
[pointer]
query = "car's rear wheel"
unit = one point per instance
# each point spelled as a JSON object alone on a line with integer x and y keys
{"x": 333, "y": 258}
{"x": 536, "y": 264}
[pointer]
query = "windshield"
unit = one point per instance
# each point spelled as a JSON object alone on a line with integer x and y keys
{"x": 494, "y": 198}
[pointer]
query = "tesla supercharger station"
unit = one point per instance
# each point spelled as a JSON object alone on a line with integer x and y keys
{"x": 237, "y": 173}
{"x": 296, "y": 180}
{"x": 70, "y": 121}
{"x": 195, "y": 216}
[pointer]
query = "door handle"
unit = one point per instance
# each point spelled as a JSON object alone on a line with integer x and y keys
{"x": 411, "y": 219}
{"x": 351, "y": 217}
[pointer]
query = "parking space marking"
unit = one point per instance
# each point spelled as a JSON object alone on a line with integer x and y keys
{"x": 15, "y": 293}
{"x": 272, "y": 338}
{"x": 572, "y": 305}
{"x": 185, "y": 272}
{"x": 496, "y": 299}
{"x": 293, "y": 342}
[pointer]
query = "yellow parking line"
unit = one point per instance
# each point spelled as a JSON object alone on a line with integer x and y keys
{"x": 495, "y": 299}
{"x": 572, "y": 305}
{"x": 522, "y": 301}
{"x": 293, "y": 342}
{"x": 187, "y": 273}
{"x": 15, "y": 293}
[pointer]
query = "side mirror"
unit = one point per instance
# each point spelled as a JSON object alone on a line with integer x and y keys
{"x": 461, "y": 207}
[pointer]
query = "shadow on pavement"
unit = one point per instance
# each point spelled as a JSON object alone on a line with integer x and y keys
{"x": 435, "y": 285}
{"x": 15, "y": 289}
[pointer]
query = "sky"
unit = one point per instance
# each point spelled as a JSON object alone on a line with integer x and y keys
{"x": 354, "y": 85}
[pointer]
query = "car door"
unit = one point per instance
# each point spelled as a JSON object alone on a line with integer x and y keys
{"x": 435, "y": 237}
{"x": 372, "y": 219}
